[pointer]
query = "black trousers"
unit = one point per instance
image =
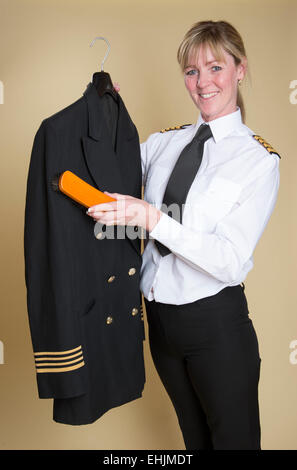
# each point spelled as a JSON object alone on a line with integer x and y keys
{"x": 207, "y": 357}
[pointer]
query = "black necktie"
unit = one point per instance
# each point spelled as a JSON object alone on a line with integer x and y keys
{"x": 182, "y": 177}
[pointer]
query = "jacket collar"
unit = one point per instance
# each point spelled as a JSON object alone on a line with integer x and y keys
{"x": 94, "y": 111}
{"x": 96, "y": 118}
{"x": 112, "y": 170}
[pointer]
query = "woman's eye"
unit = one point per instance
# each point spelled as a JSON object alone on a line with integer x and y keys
{"x": 191, "y": 72}
{"x": 216, "y": 68}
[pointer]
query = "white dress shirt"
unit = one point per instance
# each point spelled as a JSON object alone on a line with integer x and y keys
{"x": 226, "y": 211}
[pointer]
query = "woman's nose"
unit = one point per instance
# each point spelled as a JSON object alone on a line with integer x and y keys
{"x": 202, "y": 80}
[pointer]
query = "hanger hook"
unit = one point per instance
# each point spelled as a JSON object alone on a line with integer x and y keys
{"x": 106, "y": 55}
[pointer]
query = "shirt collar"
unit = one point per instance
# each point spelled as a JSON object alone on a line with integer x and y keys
{"x": 224, "y": 125}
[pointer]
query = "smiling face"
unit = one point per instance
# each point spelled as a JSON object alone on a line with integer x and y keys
{"x": 212, "y": 82}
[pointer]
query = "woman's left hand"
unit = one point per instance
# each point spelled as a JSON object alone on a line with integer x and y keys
{"x": 126, "y": 210}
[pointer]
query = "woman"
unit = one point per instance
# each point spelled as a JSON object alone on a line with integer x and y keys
{"x": 202, "y": 340}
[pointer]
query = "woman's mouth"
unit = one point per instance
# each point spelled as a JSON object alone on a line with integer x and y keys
{"x": 208, "y": 96}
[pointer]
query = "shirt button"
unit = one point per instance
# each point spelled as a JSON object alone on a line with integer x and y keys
{"x": 152, "y": 290}
{"x": 131, "y": 271}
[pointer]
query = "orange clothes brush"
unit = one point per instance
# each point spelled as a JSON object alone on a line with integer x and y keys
{"x": 78, "y": 190}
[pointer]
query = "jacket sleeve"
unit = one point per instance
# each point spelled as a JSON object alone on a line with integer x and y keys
{"x": 53, "y": 318}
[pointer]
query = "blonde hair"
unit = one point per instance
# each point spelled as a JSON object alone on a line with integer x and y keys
{"x": 217, "y": 35}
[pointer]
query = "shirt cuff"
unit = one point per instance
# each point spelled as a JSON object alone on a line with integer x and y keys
{"x": 171, "y": 233}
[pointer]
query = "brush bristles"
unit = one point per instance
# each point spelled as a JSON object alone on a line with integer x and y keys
{"x": 55, "y": 182}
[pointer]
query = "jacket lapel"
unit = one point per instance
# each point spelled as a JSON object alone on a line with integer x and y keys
{"x": 128, "y": 152}
{"x": 107, "y": 167}
{"x": 100, "y": 157}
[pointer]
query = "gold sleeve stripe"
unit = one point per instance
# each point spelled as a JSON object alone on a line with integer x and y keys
{"x": 57, "y": 353}
{"x": 39, "y": 366}
{"x": 48, "y": 358}
{"x": 62, "y": 369}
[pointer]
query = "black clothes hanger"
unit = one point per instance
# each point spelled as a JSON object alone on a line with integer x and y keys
{"x": 102, "y": 80}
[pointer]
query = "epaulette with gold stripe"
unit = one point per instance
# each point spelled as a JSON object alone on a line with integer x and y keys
{"x": 175, "y": 128}
{"x": 59, "y": 361}
{"x": 265, "y": 144}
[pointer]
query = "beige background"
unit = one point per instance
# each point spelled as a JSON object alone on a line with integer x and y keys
{"x": 45, "y": 64}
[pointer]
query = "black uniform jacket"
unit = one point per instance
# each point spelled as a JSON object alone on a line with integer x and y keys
{"x": 83, "y": 296}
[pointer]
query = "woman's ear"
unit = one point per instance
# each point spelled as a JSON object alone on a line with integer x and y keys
{"x": 242, "y": 68}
